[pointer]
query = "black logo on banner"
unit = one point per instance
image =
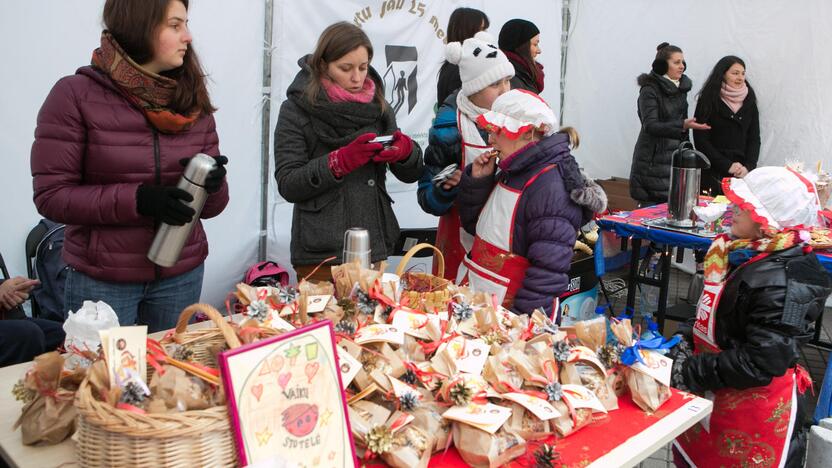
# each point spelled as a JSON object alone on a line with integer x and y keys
{"x": 400, "y": 77}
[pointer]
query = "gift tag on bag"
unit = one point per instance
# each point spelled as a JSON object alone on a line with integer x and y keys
{"x": 467, "y": 356}
{"x": 126, "y": 353}
{"x": 348, "y": 365}
{"x": 539, "y": 407}
{"x": 415, "y": 324}
{"x": 581, "y": 397}
{"x": 655, "y": 365}
{"x": 489, "y": 417}
{"x": 380, "y": 333}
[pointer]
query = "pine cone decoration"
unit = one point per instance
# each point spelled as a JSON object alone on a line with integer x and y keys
{"x": 562, "y": 350}
{"x": 346, "y": 327}
{"x": 554, "y": 392}
{"x": 609, "y": 355}
{"x": 545, "y": 456}
{"x": 22, "y": 393}
{"x": 183, "y": 353}
{"x": 258, "y": 310}
{"x": 364, "y": 303}
{"x": 132, "y": 394}
{"x": 379, "y": 440}
{"x": 409, "y": 401}
{"x": 462, "y": 311}
{"x": 409, "y": 377}
{"x": 348, "y": 307}
{"x": 494, "y": 337}
{"x": 385, "y": 314}
{"x": 461, "y": 394}
{"x": 287, "y": 294}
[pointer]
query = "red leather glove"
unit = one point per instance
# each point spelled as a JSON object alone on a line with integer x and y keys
{"x": 399, "y": 150}
{"x": 356, "y": 154}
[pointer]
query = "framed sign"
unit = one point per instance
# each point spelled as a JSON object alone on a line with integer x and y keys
{"x": 286, "y": 401}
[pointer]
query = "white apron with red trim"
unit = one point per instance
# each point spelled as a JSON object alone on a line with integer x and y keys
{"x": 492, "y": 267}
{"x": 748, "y": 428}
{"x": 451, "y": 239}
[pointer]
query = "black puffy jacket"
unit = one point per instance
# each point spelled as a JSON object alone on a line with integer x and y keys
{"x": 662, "y": 109}
{"x": 766, "y": 313}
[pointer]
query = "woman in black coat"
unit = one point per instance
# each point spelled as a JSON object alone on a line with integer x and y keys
{"x": 728, "y": 104}
{"x": 520, "y": 41}
{"x": 663, "y": 110}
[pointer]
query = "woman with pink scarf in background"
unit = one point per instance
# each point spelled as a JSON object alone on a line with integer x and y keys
{"x": 728, "y": 104}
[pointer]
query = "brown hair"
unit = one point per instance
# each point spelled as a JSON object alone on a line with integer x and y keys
{"x": 465, "y": 22}
{"x": 134, "y": 25}
{"x": 336, "y": 41}
{"x": 574, "y": 137}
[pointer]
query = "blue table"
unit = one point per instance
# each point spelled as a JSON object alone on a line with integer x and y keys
{"x": 629, "y": 225}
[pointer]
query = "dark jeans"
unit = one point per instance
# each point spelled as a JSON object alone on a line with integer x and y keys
{"x": 22, "y": 340}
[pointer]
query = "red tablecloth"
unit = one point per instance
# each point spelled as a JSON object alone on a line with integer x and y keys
{"x": 587, "y": 444}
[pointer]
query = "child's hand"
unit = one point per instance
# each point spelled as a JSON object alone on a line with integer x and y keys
{"x": 452, "y": 181}
{"x": 484, "y": 165}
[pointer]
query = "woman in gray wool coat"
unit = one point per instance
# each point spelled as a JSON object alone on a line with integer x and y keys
{"x": 326, "y": 162}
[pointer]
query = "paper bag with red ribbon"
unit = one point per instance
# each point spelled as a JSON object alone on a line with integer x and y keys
{"x": 48, "y": 417}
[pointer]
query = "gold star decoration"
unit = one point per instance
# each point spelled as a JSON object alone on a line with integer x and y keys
{"x": 325, "y": 417}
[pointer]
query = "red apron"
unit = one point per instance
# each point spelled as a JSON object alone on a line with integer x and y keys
{"x": 747, "y": 428}
{"x": 492, "y": 267}
{"x": 451, "y": 238}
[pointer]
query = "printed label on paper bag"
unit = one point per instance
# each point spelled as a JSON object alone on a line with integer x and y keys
{"x": 581, "y": 397}
{"x": 414, "y": 324}
{"x": 348, "y": 365}
{"x": 467, "y": 356}
{"x": 126, "y": 353}
{"x": 380, "y": 333}
{"x": 315, "y": 304}
{"x": 539, "y": 407}
{"x": 657, "y": 366}
{"x": 582, "y": 353}
{"x": 488, "y": 417}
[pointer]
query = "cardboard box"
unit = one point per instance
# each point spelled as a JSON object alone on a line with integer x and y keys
{"x": 618, "y": 194}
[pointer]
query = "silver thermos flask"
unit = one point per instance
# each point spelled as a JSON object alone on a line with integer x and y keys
{"x": 169, "y": 240}
{"x": 357, "y": 246}
{"x": 685, "y": 176}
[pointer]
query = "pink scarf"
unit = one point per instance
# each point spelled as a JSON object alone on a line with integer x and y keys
{"x": 339, "y": 94}
{"x": 733, "y": 97}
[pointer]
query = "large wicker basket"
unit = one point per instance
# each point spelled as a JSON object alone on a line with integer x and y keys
{"x": 422, "y": 290}
{"x": 107, "y": 436}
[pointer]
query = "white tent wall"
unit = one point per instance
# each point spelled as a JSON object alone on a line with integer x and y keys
{"x": 784, "y": 44}
{"x": 45, "y": 41}
{"x": 297, "y": 26}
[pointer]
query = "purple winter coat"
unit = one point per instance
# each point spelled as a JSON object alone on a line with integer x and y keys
{"x": 546, "y": 222}
{"x": 92, "y": 150}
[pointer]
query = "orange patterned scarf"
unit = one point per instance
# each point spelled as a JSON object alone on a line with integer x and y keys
{"x": 149, "y": 92}
{"x": 716, "y": 260}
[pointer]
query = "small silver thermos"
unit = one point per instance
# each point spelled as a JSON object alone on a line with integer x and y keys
{"x": 169, "y": 240}
{"x": 357, "y": 246}
{"x": 685, "y": 176}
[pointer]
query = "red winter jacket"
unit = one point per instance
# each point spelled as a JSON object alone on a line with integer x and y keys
{"x": 92, "y": 150}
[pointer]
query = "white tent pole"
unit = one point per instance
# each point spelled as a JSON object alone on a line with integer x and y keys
{"x": 265, "y": 123}
{"x": 566, "y": 19}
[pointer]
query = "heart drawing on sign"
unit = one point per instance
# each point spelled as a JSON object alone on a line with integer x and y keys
{"x": 283, "y": 379}
{"x": 311, "y": 370}
{"x": 257, "y": 391}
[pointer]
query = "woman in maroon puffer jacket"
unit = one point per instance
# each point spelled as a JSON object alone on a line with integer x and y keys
{"x": 110, "y": 146}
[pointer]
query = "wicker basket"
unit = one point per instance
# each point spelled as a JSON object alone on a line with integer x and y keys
{"x": 107, "y": 436}
{"x": 425, "y": 291}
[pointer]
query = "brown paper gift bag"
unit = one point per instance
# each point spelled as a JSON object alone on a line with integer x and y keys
{"x": 480, "y": 449}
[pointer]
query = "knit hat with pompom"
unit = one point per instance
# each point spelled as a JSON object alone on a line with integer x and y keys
{"x": 480, "y": 62}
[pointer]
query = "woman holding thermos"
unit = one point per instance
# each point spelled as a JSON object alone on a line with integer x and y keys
{"x": 728, "y": 104}
{"x": 110, "y": 145}
{"x": 663, "y": 111}
{"x": 326, "y": 161}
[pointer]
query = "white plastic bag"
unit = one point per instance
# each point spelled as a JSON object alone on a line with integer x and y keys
{"x": 82, "y": 328}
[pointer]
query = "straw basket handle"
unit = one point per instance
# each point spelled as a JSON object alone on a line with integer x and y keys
{"x": 214, "y": 315}
{"x": 416, "y": 248}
